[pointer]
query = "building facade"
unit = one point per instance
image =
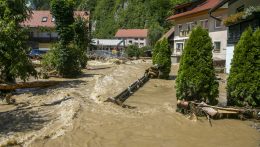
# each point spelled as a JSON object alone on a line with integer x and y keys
{"x": 42, "y": 28}
{"x": 195, "y": 13}
{"x": 108, "y": 44}
{"x": 237, "y": 28}
{"x": 137, "y": 37}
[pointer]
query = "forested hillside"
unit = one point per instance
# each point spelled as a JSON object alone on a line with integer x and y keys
{"x": 109, "y": 15}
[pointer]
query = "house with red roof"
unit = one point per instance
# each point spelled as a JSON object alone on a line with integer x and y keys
{"x": 42, "y": 28}
{"x": 188, "y": 15}
{"x": 137, "y": 37}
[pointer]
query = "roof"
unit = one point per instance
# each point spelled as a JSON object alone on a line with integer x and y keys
{"x": 127, "y": 33}
{"x": 218, "y": 5}
{"x": 107, "y": 42}
{"x": 169, "y": 33}
{"x": 36, "y": 18}
{"x": 205, "y": 6}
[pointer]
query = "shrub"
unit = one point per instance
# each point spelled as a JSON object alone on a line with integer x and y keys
{"x": 196, "y": 80}
{"x": 162, "y": 57}
{"x": 133, "y": 51}
{"x": 243, "y": 82}
{"x": 65, "y": 61}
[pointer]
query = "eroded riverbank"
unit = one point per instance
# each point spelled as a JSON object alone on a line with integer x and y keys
{"x": 84, "y": 120}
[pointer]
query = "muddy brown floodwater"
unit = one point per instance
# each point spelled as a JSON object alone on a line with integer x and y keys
{"x": 85, "y": 120}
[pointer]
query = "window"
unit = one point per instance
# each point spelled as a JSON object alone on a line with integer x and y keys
{"x": 53, "y": 19}
{"x": 136, "y": 38}
{"x": 217, "y": 46}
{"x": 180, "y": 29}
{"x": 130, "y": 41}
{"x": 190, "y": 25}
{"x": 141, "y": 38}
{"x": 44, "y": 19}
{"x": 179, "y": 47}
{"x": 241, "y": 8}
{"x": 218, "y": 23}
{"x": 141, "y": 44}
{"x": 204, "y": 24}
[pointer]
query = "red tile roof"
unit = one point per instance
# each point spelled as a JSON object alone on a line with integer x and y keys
{"x": 36, "y": 17}
{"x": 127, "y": 33}
{"x": 205, "y": 6}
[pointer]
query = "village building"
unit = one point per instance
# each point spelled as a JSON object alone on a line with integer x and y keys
{"x": 188, "y": 15}
{"x": 107, "y": 47}
{"x": 235, "y": 29}
{"x": 108, "y": 44}
{"x": 41, "y": 25}
{"x": 137, "y": 37}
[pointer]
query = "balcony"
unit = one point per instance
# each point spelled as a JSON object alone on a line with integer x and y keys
{"x": 235, "y": 31}
{"x": 185, "y": 33}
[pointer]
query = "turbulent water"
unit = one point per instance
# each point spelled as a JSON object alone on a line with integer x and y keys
{"x": 83, "y": 119}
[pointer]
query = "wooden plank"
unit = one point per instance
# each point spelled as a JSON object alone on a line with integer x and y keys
{"x": 227, "y": 112}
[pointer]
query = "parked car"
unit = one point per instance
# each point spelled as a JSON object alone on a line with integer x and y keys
{"x": 37, "y": 54}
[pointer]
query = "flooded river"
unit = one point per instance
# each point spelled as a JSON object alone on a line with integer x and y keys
{"x": 85, "y": 120}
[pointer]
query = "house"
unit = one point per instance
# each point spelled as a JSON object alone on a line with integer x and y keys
{"x": 188, "y": 15}
{"x": 235, "y": 29}
{"x": 137, "y": 37}
{"x": 42, "y": 28}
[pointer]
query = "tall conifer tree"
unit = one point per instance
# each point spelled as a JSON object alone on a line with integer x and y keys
{"x": 244, "y": 79}
{"x": 162, "y": 57}
{"x": 196, "y": 79}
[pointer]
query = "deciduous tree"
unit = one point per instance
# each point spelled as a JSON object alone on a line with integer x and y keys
{"x": 64, "y": 57}
{"x": 14, "y": 62}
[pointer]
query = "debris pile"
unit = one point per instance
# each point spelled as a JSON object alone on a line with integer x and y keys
{"x": 199, "y": 109}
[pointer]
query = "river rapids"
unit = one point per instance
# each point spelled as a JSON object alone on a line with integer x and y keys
{"x": 74, "y": 114}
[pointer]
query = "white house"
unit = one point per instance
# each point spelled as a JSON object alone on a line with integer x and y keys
{"x": 191, "y": 14}
{"x": 137, "y": 37}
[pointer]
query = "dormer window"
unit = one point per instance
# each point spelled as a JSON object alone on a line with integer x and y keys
{"x": 53, "y": 19}
{"x": 44, "y": 19}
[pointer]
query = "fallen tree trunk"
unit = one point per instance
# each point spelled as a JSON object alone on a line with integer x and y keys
{"x": 36, "y": 84}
